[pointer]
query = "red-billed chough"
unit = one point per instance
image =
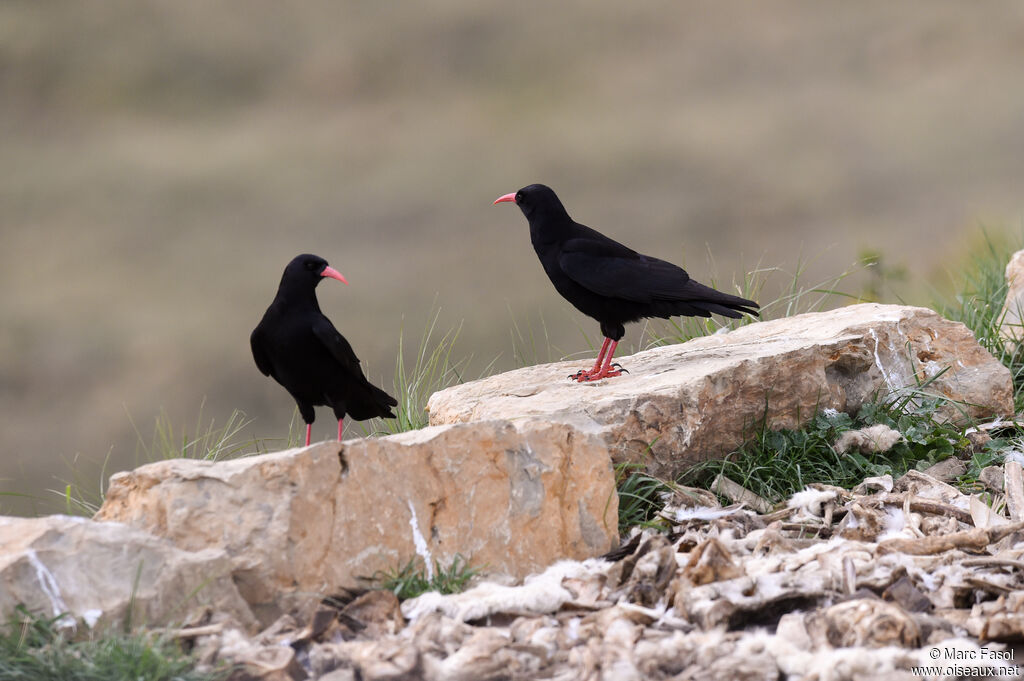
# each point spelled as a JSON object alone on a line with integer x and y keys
{"x": 610, "y": 282}
{"x": 300, "y": 348}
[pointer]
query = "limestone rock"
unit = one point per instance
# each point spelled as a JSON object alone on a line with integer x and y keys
{"x": 508, "y": 498}
{"x": 731, "y": 595}
{"x": 1012, "y": 316}
{"x": 684, "y": 403}
{"x": 96, "y": 572}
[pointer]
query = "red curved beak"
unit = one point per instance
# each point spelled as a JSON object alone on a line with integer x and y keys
{"x": 333, "y": 274}
{"x": 506, "y": 197}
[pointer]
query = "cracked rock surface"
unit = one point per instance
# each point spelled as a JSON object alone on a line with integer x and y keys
{"x": 680, "y": 404}
{"x": 104, "y": 574}
{"x": 508, "y": 498}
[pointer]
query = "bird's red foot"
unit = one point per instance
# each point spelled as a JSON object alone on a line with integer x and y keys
{"x": 604, "y": 373}
{"x": 585, "y": 376}
{"x": 603, "y": 365}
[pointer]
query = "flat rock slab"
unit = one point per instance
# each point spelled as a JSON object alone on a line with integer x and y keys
{"x": 681, "y": 404}
{"x": 108, "y": 574}
{"x": 508, "y": 498}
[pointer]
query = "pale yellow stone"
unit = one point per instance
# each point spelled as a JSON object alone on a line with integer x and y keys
{"x": 109, "y": 575}
{"x": 684, "y": 403}
{"x": 508, "y": 498}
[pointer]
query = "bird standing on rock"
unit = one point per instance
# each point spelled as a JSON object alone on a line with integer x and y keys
{"x": 608, "y": 281}
{"x": 299, "y": 347}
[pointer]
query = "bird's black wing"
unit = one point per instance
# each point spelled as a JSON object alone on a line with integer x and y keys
{"x": 368, "y": 400}
{"x": 259, "y": 354}
{"x": 610, "y": 269}
{"x": 336, "y": 344}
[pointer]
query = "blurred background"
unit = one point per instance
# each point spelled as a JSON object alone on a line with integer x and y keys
{"x": 160, "y": 163}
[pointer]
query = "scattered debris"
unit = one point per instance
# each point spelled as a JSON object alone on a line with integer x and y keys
{"x": 739, "y": 494}
{"x": 835, "y": 585}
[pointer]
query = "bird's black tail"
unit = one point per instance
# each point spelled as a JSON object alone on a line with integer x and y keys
{"x": 367, "y": 401}
{"x": 703, "y": 301}
{"x": 384, "y": 401}
{"x": 734, "y": 308}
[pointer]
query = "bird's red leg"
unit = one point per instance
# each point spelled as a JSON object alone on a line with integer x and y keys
{"x": 309, "y": 431}
{"x": 606, "y": 368}
{"x": 583, "y": 375}
{"x": 340, "y": 422}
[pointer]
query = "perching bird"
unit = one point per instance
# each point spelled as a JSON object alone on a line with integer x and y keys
{"x": 610, "y": 282}
{"x": 300, "y": 348}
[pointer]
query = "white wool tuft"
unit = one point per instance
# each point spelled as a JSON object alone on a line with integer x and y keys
{"x": 538, "y": 594}
{"x": 877, "y": 438}
{"x": 1016, "y": 455}
{"x": 894, "y": 524}
{"x": 811, "y": 501}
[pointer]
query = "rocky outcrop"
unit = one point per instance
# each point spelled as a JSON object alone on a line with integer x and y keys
{"x": 107, "y": 574}
{"x": 1011, "y": 320}
{"x": 684, "y": 403}
{"x": 507, "y": 498}
{"x": 840, "y": 585}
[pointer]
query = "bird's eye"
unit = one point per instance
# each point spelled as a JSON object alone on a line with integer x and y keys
{"x": 310, "y": 265}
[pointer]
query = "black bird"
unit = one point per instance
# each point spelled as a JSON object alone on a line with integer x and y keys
{"x": 610, "y": 282}
{"x": 300, "y": 348}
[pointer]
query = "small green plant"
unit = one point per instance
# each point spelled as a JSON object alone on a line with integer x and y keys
{"x": 33, "y": 648}
{"x": 431, "y": 370}
{"x": 207, "y": 441}
{"x": 412, "y": 579}
{"x": 777, "y": 463}
{"x": 526, "y": 349}
{"x": 81, "y": 496}
{"x": 992, "y": 454}
{"x": 641, "y": 496}
{"x": 978, "y": 303}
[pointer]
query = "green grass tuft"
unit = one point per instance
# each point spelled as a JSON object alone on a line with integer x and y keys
{"x": 641, "y": 496}
{"x": 432, "y": 369}
{"x": 207, "y": 441}
{"x": 411, "y": 580}
{"x": 33, "y": 648}
{"x": 526, "y": 346}
{"x": 797, "y": 297}
{"x": 992, "y": 454}
{"x": 982, "y": 290}
{"x": 775, "y": 464}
